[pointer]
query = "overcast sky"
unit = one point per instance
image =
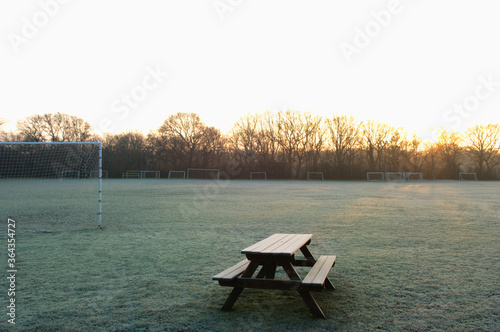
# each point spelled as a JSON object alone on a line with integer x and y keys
{"x": 127, "y": 65}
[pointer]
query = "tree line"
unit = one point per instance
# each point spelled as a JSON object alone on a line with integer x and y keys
{"x": 285, "y": 145}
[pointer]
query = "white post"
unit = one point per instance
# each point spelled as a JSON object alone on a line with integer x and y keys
{"x": 99, "y": 211}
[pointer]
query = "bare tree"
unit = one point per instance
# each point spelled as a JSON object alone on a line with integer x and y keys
{"x": 483, "y": 147}
{"x": 182, "y": 135}
{"x": 344, "y": 135}
{"x": 268, "y": 138}
{"x": 245, "y": 141}
{"x": 212, "y": 147}
{"x": 416, "y": 154}
{"x": 54, "y": 127}
{"x": 397, "y": 150}
{"x": 32, "y": 128}
{"x": 449, "y": 151}
{"x": 374, "y": 143}
{"x": 298, "y": 132}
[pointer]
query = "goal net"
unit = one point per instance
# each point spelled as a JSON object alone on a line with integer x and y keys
{"x": 375, "y": 176}
{"x": 258, "y": 176}
{"x": 394, "y": 176}
{"x": 203, "y": 173}
{"x": 414, "y": 176}
{"x": 48, "y": 187}
{"x": 176, "y": 174}
{"x": 462, "y": 176}
{"x": 315, "y": 176}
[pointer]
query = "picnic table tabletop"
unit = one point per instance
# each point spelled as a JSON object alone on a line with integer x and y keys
{"x": 278, "y": 245}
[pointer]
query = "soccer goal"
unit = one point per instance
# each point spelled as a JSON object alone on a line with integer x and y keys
{"x": 176, "y": 174}
{"x": 258, "y": 176}
{"x": 394, "y": 176}
{"x": 132, "y": 175}
{"x": 462, "y": 176}
{"x": 375, "y": 176}
{"x": 34, "y": 190}
{"x": 414, "y": 176}
{"x": 315, "y": 176}
{"x": 203, "y": 173}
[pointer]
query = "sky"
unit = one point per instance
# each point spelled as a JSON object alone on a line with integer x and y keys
{"x": 127, "y": 65}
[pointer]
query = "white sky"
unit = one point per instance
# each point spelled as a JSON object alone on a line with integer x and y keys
{"x": 263, "y": 55}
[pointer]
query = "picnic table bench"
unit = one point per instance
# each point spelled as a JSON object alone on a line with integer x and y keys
{"x": 279, "y": 250}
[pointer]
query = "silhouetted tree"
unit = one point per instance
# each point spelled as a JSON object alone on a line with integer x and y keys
{"x": 449, "y": 152}
{"x": 54, "y": 127}
{"x": 483, "y": 147}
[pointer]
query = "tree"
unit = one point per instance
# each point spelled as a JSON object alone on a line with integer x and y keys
{"x": 397, "y": 150}
{"x": 374, "y": 143}
{"x": 297, "y": 133}
{"x": 181, "y": 135}
{"x": 125, "y": 151}
{"x": 344, "y": 138}
{"x": 212, "y": 147}
{"x": 245, "y": 140}
{"x": 416, "y": 154}
{"x": 484, "y": 148}
{"x": 449, "y": 151}
{"x": 32, "y": 128}
{"x": 54, "y": 127}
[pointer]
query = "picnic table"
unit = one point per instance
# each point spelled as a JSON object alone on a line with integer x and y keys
{"x": 279, "y": 250}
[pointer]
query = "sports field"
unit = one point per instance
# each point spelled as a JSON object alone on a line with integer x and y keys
{"x": 410, "y": 256}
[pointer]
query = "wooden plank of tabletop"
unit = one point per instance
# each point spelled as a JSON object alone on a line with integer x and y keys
{"x": 261, "y": 245}
{"x": 298, "y": 241}
{"x": 279, "y": 244}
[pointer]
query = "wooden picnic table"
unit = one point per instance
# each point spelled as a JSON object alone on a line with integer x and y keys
{"x": 279, "y": 250}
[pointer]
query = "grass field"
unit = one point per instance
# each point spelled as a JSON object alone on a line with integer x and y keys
{"x": 410, "y": 256}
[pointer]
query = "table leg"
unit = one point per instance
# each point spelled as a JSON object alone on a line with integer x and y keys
{"x": 268, "y": 271}
{"x": 308, "y": 255}
{"x": 329, "y": 285}
{"x": 235, "y": 293}
{"x": 231, "y": 299}
{"x": 312, "y": 304}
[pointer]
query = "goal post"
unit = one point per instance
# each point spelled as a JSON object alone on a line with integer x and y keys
{"x": 394, "y": 176}
{"x": 315, "y": 176}
{"x": 176, "y": 174}
{"x": 258, "y": 175}
{"x": 414, "y": 176}
{"x": 24, "y": 164}
{"x": 95, "y": 174}
{"x": 375, "y": 176}
{"x": 467, "y": 176}
{"x": 203, "y": 173}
